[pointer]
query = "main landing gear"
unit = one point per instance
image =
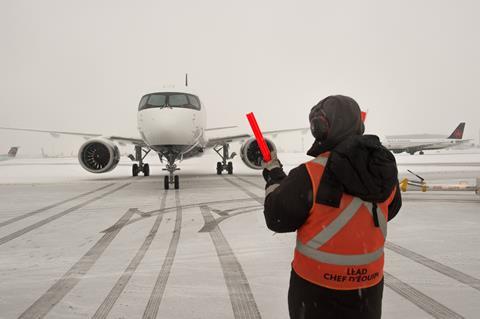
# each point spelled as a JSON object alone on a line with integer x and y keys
{"x": 171, "y": 178}
{"x": 223, "y": 152}
{"x": 140, "y": 155}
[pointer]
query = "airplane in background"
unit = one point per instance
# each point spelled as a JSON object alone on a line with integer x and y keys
{"x": 10, "y": 155}
{"x": 411, "y": 144}
{"x": 172, "y": 124}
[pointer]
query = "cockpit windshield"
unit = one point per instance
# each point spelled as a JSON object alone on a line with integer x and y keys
{"x": 171, "y": 100}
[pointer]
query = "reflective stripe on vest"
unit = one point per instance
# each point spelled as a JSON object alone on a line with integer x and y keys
{"x": 337, "y": 259}
{"x": 310, "y": 249}
{"x": 343, "y": 218}
{"x": 324, "y": 252}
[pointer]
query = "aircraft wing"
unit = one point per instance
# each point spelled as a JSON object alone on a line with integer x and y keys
{"x": 120, "y": 139}
{"x": 240, "y": 137}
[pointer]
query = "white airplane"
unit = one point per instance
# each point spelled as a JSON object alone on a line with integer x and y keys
{"x": 172, "y": 124}
{"x": 411, "y": 145}
{"x": 10, "y": 155}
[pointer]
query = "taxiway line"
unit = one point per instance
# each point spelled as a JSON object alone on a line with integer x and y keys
{"x": 241, "y": 296}
{"x": 259, "y": 199}
{"x": 423, "y": 260}
{"x": 424, "y": 302}
{"x": 45, "y": 221}
{"x": 421, "y": 300}
{"x": 108, "y": 303}
{"x": 166, "y": 210}
{"x": 72, "y": 277}
{"x": 16, "y": 219}
{"x": 156, "y": 296}
{"x": 435, "y": 265}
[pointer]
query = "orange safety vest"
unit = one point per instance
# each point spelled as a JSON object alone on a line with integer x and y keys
{"x": 340, "y": 248}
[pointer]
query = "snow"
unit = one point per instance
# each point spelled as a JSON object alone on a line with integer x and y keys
{"x": 72, "y": 246}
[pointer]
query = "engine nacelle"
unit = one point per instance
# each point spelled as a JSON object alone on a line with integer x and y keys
{"x": 99, "y": 155}
{"x": 251, "y": 154}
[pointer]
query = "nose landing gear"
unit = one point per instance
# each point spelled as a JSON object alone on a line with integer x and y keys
{"x": 171, "y": 178}
{"x": 223, "y": 152}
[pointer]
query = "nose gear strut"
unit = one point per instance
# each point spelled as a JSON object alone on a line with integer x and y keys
{"x": 171, "y": 178}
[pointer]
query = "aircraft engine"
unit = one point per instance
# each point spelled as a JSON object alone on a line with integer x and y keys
{"x": 251, "y": 155}
{"x": 99, "y": 155}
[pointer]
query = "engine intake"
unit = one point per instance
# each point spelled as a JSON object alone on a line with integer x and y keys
{"x": 99, "y": 155}
{"x": 251, "y": 155}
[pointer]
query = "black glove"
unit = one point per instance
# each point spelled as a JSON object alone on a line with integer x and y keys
{"x": 273, "y": 170}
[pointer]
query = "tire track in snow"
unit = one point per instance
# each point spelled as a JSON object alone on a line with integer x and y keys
{"x": 241, "y": 296}
{"x": 156, "y": 296}
{"x": 108, "y": 303}
{"x": 16, "y": 219}
{"x": 435, "y": 265}
{"x": 424, "y": 302}
{"x": 72, "y": 277}
{"x": 50, "y": 219}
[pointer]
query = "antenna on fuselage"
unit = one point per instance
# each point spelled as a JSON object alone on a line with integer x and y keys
{"x": 186, "y": 79}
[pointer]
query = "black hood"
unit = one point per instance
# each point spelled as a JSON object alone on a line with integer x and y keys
{"x": 359, "y": 166}
{"x": 344, "y": 120}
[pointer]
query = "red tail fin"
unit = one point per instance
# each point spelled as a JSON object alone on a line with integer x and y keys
{"x": 13, "y": 151}
{"x": 457, "y": 134}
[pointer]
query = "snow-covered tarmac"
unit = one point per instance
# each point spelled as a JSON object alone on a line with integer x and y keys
{"x": 77, "y": 245}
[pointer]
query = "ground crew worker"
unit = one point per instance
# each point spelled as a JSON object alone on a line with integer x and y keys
{"x": 339, "y": 204}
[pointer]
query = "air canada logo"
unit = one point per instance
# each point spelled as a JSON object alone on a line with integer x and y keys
{"x": 457, "y": 133}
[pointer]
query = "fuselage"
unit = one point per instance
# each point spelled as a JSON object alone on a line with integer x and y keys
{"x": 404, "y": 145}
{"x": 172, "y": 123}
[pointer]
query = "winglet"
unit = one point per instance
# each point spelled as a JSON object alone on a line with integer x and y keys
{"x": 457, "y": 134}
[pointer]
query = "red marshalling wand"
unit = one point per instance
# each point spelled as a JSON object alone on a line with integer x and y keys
{"x": 259, "y": 137}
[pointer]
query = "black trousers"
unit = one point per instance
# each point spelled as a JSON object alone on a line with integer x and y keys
{"x": 309, "y": 301}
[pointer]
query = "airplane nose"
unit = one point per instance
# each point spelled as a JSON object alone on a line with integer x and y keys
{"x": 167, "y": 126}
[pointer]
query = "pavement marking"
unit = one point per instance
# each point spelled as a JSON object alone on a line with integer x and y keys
{"x": 259, "y": 199}
{"x": 424, "y": 302}
{"x": 168, "y": 209}
{"x": 251, "y": 183}
{"x": 158, "y": 290}
{"x": 108, "y": 303}
{"x": 421, "y": 300}
{"x": 16, "y": 219}
{"x": 435, "y": 265}
{"x": 45, "y": 221}
{"x": 72, "y": 277}
{"x": 241, "y": 296}
{"x": 210, "y": 225}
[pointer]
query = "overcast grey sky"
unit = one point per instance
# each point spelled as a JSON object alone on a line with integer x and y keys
{"x": 83, "y": 65}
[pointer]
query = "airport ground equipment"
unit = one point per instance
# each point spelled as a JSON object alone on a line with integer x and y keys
{"x": 423, "y": 186}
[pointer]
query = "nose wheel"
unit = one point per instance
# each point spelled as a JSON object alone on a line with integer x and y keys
{"x": 171, "y": 178}
{"x": 167, "y": 182}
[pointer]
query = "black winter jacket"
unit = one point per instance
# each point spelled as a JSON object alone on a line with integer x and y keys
{"x": 359, "y": 166}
